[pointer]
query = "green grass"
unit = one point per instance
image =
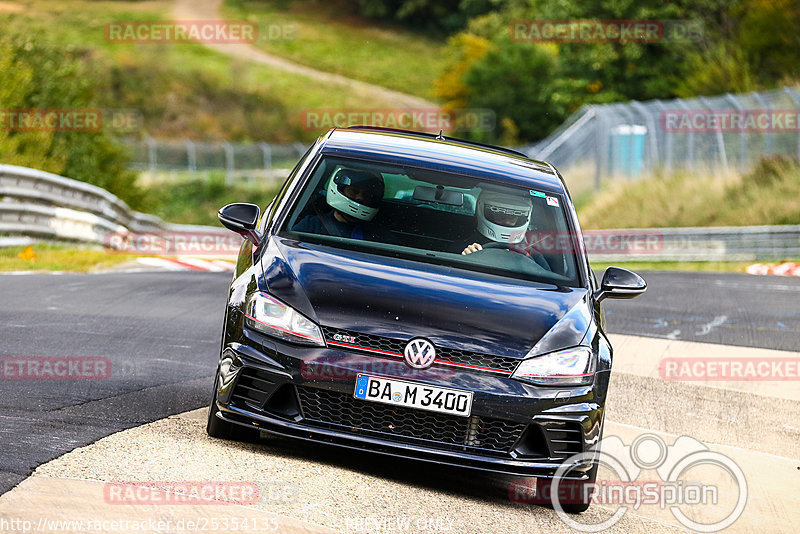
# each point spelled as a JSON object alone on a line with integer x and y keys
{"x": 197, "y": 201}
{"x": 330, "y": 39}
{"x": 54, "y": 256}
{"x": 181, "y": 90}
{"x": 769, "y": 194}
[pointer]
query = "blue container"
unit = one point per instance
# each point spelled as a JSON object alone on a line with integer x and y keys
{"x": 627, "y": 149}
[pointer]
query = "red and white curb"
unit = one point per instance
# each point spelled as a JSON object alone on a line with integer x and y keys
{"x": 781, "y": 269}
{"x": 188, "y": 264}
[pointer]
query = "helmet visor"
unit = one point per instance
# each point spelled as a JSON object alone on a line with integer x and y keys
{"x": 360, "y": 187}
{"x": 506, "y": 217}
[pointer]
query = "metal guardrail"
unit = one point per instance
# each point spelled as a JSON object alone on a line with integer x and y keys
{"x": 259, "y": 159}
{"x": 41, "y": 204}
{"x": 720, "y": 243}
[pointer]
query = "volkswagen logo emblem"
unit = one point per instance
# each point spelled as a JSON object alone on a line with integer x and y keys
{"x": 419, "y": 353}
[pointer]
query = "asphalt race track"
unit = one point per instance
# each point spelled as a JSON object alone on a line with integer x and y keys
{"x": 732, "y": 309}
{"x": 161, "y": 334}
{"x": 160, "y": 331}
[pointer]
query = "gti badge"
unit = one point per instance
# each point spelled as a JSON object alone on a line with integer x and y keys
{"x": 346, "y": 339}
{"x": 419, "y": 353}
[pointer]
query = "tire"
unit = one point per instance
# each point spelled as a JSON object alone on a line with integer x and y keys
{"x": 581, "y": 505}
{"x": 576, "y": 502}
{"x": 220, "y": 429}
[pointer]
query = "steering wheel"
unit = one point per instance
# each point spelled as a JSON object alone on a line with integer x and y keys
{"x": 495, "y": 244}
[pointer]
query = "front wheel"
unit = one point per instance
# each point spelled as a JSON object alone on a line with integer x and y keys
{"x": 574, "y": 495}
{"x": 220, "y": 429}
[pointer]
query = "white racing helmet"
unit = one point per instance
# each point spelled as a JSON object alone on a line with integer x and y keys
{"x": 369, "y": 185}
{"x": 503, "y": 217}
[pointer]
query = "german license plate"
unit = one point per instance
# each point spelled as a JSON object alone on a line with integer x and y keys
{"x": 412, "y": 395}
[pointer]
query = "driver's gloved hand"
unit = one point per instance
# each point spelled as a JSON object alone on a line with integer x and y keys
{"x": 475, "y": 247}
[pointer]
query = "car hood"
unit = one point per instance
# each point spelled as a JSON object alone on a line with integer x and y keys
{"x": 401, "y": 299}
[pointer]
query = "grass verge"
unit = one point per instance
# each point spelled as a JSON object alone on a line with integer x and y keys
{"x": 769, "y": 194}
{"x": 58, "y": 256}
{"x": 54, "y": 256}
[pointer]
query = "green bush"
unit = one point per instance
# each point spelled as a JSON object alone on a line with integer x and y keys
{"x": 446, "y": 15}
{"x": 513, "y": 74}
{"x": 45, "y": 78}
{"x": 197, "y": 201}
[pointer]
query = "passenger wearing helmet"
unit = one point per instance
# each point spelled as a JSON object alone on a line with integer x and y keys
{"x": 353, "y": 197}
{"x": 503, "y": 217}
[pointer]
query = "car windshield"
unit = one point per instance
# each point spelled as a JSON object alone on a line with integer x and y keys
{"x": 436, "y": 217}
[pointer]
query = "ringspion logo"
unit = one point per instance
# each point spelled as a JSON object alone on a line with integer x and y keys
{"x": 680, "y": 477}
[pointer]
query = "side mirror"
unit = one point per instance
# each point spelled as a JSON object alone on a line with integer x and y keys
{"x": 242, "y": 219}
{"x": 620, "y": 284}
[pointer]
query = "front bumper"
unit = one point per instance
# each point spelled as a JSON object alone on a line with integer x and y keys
{"x": 307, "y": 393}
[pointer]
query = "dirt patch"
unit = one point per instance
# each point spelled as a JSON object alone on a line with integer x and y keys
{"x": 10, "y": 7}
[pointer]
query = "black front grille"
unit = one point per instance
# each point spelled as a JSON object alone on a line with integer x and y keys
{"x": 369, "y": 341}
{"x": 443, "y": 354}
{"x": 477, "y": 359}
{"x": 341, "y": 411}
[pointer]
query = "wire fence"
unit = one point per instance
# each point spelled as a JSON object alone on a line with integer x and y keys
{"x": 234, "y": 159}
{"x": 597, "y": 144}
{"x": 721, "y": 134}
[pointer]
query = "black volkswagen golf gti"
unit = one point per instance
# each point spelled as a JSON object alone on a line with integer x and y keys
{"x": 419, "y": 297}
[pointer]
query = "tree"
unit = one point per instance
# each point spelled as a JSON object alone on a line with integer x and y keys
{"x": 37, "y": 77}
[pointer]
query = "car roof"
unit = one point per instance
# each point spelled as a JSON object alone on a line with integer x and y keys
{"x": 443, "y": 154}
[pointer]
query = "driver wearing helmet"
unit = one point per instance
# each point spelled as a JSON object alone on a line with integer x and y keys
{"x": 353, "y": 197}
{"x": 503, "y": 218}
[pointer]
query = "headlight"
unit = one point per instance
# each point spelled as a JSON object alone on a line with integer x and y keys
{"x": 569, "y": 367}
{"x": 271, "y": 316}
